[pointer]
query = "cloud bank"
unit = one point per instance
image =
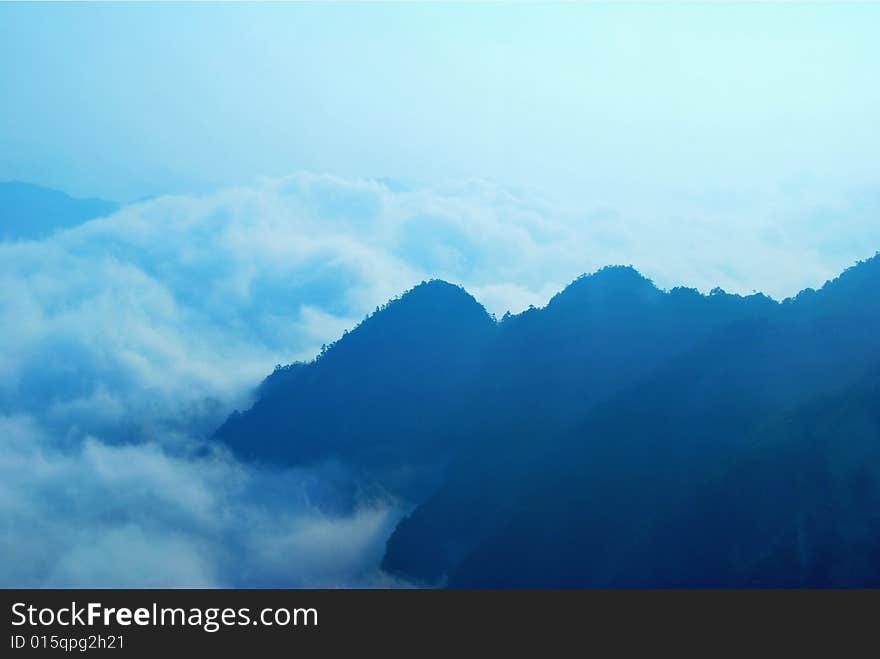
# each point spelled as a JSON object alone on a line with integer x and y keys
{"x": 127, "y": 339}
{"x": 141, "y": 515}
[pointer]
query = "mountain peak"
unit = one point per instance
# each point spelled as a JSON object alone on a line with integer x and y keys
{"x": 620, "y": 274}
{"x": 434, "y": 296}
{"x": 433, "y": 311}
{"x": 436, "y": 287}
{"x": 367, "y": 395}
{"x": 613, "y": 282}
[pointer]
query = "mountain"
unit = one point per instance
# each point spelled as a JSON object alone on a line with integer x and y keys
{"x": 31, "y": 212}
{"x": 384, "y": 398}
{"x": 548, "y": 370}
{"x": 620, "y": 436}
{"x": 656, "y": 452}
{"x": 795, "y": 504}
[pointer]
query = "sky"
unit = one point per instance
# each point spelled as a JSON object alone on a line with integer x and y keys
{"x": 284, "y": 169}
{"x": 597, "y": 102}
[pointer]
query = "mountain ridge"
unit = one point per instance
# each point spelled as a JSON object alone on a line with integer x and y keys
{"x": 618, "y": 399}
{"x": 33, "y": 212}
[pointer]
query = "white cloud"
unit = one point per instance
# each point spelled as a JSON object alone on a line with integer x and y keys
{"x": 139, "y": 515}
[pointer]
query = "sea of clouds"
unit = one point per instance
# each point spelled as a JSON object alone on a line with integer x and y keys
{"x": 126, "y": 341}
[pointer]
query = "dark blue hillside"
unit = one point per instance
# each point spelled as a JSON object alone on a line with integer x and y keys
{"x": 732, "y": 465}
{"x": 546, "y": 372}
{"x": 385, "y": 398}
{"x": 619, "y": 436}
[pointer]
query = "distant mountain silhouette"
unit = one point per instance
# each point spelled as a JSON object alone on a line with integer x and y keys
{"x": 619, "y": 436}
{"x": 32, "y": 212}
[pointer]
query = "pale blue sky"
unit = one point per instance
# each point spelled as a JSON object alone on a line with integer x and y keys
{"x": 589, "y": 100}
